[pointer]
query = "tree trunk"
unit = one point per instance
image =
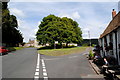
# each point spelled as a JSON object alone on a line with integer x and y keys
{"x": 67, "y": 45}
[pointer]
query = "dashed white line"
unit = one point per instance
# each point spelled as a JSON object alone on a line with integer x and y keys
{"x": 44, "y": 67}
{"x": 36, "y": 76}
{"x": 36, "y": 73}
{"x": 37, "y": 69}
{"x": 45, "y": 76}
{"x": 44, "y": 70}
{"x": 37, "y": 66}
{"x": 43, "y": 64}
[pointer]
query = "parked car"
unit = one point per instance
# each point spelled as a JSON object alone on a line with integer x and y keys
{"x": 3, "y": 50}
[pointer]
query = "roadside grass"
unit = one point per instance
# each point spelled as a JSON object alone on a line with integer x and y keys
{"x": 18, "y": 48}
{"x": 64, "y": 51}
{"x": 14, "y": 48}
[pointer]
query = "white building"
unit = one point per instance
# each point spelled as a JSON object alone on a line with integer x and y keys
{"x": 110, "y": 39}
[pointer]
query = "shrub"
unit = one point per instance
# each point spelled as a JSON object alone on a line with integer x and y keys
{"x": 11, "y": 49}
{"x": 91, "y": 55}
{"x": 85, "y": 44}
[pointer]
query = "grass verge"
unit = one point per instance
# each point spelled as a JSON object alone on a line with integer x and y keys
{"x": 18, "y": 48}
{"x": 14, "y": 48}
{"x": 64, "y": 51}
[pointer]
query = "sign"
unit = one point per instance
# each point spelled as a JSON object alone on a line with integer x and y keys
{"x": 56, "y": 42}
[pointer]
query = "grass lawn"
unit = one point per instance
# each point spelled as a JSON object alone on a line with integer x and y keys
{"x": 60, "y": 52}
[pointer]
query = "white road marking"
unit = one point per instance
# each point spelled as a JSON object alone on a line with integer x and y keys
{"x": 36, "y": 73}
{"x": 38, "y": 60}
{"x": 44, "y": 67}
{"x": 45, "y": 76}
{"x": 37, "y": 66}
{"x": 43, "y": 64}
{"x": 37, "y": 69}
{"x": 36, "y": 76}
{"x": 44, "y": 70}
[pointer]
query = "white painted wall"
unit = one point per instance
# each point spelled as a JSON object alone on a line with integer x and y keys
{"x": 103, "y": 44}
{"x": 100, "y": 43}
{"x": 108, "y": 39}
{"x": 114, "y": 44}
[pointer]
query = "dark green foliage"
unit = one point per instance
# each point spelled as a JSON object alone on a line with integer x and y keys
{"x": 63, "y": 30}
{"x": 11, "y": 36}
{"x": 86, "y": 42}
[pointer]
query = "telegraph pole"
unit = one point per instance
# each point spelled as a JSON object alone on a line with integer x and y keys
{"x": 89, "y": 38}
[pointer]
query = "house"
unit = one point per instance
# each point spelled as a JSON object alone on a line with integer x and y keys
{"x": 30, "y": 43}
{"x": 109, "y": 40}
{"x": 36, "y": 44}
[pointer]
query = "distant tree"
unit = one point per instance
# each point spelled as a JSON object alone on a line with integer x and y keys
{"x": 63, "y": 30}
{"x": 11, "y": 36}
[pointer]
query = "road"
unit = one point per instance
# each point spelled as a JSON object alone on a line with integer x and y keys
{"x": 19, "y": 64}
{"x": 26, "y": 64}
{"x": 72, "y": 67}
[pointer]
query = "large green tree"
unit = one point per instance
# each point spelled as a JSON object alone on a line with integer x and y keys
{"x": 11, "y": 36}
{"x": 63, "y": 30}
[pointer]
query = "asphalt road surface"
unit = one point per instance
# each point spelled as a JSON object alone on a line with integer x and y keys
{"x": 19, "y": 64}
{"x": 69, "y": 67}
{"x": 26, "y": 64}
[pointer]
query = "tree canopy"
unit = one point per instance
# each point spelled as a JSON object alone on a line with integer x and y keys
{"x": 11, "y": 36}
{"x": 63, "y": 30}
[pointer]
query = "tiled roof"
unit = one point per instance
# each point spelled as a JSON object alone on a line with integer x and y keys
{"x": 114, "y": 24}
{"x": 31, "y": 42}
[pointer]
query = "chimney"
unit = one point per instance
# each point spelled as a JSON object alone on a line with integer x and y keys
{"x": 113, "y": 13}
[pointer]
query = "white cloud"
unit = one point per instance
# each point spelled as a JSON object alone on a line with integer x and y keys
{"x": 39, "y": 22}
{"x": 74, "y": 15}
{"x": 87, "y": 15}
{"x": 27, "y": 30}
{"x": 17, "y": 12}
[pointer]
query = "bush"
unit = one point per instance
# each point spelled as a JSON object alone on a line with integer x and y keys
{"x": 93, "y": 45}
{"x": 11, "y": 49}
{"x": 85, "y": 44}
{"x": 91, "y": 55}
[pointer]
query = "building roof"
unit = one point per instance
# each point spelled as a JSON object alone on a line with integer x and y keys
{"x": 31, "y": 42}
{"x": 113, "y": 25}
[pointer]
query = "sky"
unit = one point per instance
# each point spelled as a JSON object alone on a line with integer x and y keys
{"x": 91, "y": 16}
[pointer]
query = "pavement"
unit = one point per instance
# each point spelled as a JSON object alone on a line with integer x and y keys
{"x": 95, "y": 67}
